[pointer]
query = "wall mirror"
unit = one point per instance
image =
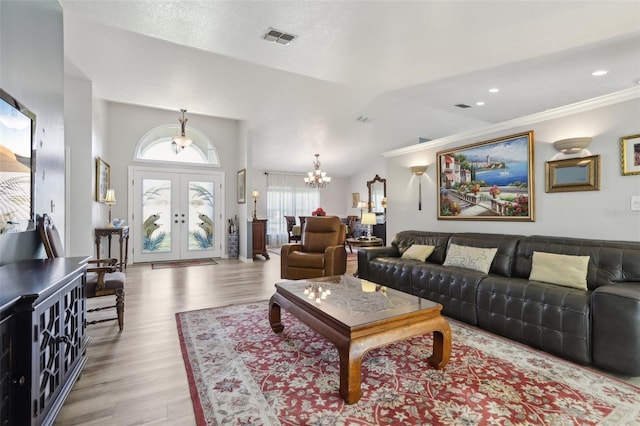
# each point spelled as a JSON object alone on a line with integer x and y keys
{"x": 377, "y": 191}
{"x": 17, "y": 171}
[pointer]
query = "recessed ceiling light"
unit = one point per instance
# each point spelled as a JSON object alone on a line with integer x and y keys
{"x": 480, "y": 103}
{"x": 599, "y": 73}
{"x": 494, "y": 90}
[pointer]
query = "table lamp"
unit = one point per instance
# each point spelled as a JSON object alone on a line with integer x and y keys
{"x": 110, "y": 199}
{"x": 255, "y": 195}
{"x": 369, "y": 219}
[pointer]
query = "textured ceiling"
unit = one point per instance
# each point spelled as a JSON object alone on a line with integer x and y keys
{"x": 403, "y": 64}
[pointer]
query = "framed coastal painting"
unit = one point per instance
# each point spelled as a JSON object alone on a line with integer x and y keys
{"x": 630, "y": 155}
{"x": 103, "y": 179}
{"x": 490, "y": 180}
{"x": 242, "y": 186}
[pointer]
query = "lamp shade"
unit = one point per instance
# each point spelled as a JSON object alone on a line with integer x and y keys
{"x": 255, "y": 194}
{"x": 110, "y": 196}
{"x": 369, "y": 219}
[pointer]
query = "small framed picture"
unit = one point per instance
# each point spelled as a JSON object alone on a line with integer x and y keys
{"x": 242, "y": 186}
{"x": 630, "y": 155}
{"x": 573, "y": 174}
{"x": 103, "y": 179}
{"x": 355, "y": 199}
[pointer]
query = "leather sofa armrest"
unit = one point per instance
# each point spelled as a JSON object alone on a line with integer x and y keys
{"x": 284, "y": 254}
{"x": 335, "y": 260}
{"x": 367, "y": 254}
{"x": 615, "y": 311}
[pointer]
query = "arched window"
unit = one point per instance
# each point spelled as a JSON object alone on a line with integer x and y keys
{"x": 156, "y": 145}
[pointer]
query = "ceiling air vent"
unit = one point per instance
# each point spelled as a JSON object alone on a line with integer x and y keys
{"x": 278, "y": 36}
{"x": 463, "y": 106}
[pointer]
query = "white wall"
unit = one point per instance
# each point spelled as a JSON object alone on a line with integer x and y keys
{"x": 126, "y": 124}
{"x": 78, "y": 131}
{"x": 31, "y": 70}
{"x": 332, "y": 198}
{"x": 358, "y": 182}
{"x": 603, "y": 214}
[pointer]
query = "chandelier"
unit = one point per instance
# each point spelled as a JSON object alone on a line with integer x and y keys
{"x": 181, "y": 142}
{"x": 317, "y": 178}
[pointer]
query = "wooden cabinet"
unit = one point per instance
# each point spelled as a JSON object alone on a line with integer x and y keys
{"x": 42, "y": 330}
{"x": 7, "y": 338}
{"x": 259, "y": 238}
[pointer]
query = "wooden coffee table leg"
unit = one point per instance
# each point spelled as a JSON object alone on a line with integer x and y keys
{"x": 350, "y": 373}
{"x": 441, "y": 345}
{"x": 274, "y": 316}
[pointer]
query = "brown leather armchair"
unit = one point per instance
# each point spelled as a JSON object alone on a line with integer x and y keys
{"x": 321, "y": 252}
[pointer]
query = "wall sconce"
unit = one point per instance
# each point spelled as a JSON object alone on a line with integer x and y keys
{"x": 369, "y": 219}
{"x": 419, "y": 171}
{"x": 255, "y": 195}
{"x": 110, "y": 200}
{"x": 572, "y": 145}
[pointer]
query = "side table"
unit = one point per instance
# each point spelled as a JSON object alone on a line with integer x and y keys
{"x": 123, "y": 234}
{"x": 357, "y": 242}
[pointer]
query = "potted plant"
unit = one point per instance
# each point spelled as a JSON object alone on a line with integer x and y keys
{"x": 494, "y": 191}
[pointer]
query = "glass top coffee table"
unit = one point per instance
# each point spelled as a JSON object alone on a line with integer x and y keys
{"x": 358, "y": 315}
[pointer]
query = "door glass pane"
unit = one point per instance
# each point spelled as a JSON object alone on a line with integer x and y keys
{"x": 156, "y": 215}
{"x": 201, "y": 214}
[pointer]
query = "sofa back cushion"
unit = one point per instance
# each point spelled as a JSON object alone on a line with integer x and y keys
{"x": 506, "y": 245}
{"x": 405, "y": 239}
{"x": 609, "y": 261}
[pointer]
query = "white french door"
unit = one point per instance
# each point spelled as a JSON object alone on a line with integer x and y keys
{"x": 176, "y": 215}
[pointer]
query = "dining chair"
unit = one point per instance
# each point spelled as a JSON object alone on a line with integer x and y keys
{"x": 103, "y": 279}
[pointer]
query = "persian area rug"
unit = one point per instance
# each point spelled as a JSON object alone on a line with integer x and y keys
{"x": 241, "y": 372}
{"x": 182, "y": 263}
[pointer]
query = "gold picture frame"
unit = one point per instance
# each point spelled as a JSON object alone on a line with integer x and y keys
{"x": 242, "y": 186}
{"x": 355, "y": 199}
{"x": 573, "y": 174}
{"x": 630, "y": 155}
{"x": 489, "y": 180}
{"x": 103, "y": 179}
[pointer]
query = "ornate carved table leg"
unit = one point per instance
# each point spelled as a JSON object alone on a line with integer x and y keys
{"x": 274, "y": 316}
{"x": 441, "y": 345}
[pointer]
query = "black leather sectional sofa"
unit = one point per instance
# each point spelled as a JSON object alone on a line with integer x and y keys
{"x": 599, "y": 326}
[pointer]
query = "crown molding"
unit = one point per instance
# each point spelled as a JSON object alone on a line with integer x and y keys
{"x": 563, "y": 111}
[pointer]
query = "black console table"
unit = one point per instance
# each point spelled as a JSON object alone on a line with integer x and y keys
{"x": 42, "y": 337}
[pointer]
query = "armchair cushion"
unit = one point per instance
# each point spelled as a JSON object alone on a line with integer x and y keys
{"x": 303, "y": 259}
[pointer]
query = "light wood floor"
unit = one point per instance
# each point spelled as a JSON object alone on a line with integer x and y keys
{"x": 137, "y": 377}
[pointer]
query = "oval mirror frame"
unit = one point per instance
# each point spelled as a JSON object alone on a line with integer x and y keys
{"x": 377, "y": 191}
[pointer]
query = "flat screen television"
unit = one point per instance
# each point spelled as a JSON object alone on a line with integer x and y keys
{"x": 17, "y": 165}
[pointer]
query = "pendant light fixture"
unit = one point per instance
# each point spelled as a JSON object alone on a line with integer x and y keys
{"x": 317, "y": 178}
{"x": 181, "y": 142}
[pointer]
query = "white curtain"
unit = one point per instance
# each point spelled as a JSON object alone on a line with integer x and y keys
{"x": 287, "y": 195}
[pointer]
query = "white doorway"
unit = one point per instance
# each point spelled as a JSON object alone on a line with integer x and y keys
{"x": 176, "y": 214}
